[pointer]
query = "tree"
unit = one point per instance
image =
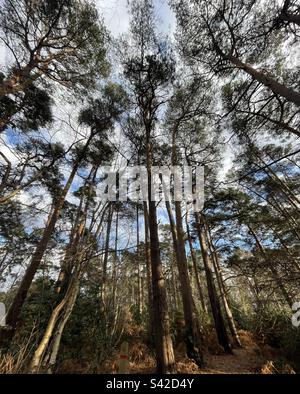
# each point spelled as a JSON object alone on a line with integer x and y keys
{"x": 223, "y": 38}
{"x": 50, "y": 42}
{"x": 149, "y": 71}
{"x": 108, "y": 110}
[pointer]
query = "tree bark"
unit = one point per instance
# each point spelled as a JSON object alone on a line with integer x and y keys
{"x": 163, "y": 342}
{"x": 103, "y": 287}
{"x": 149, "y": 273}
{"x": 14, "y": 311}
{"x": 276, "y": 87}
{"x": 192, "y": 326}
{"x": 212, "y": 292}
{"x": 70, "y": 296}
{"x": 193, "y": 339}
{"x": 139, "y": 283}
{"x": 270, "y": 265}
{"x": 222, "y": 288}
{"x": 195, "y": 267}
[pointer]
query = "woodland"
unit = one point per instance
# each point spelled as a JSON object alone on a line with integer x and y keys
{"x": 214, "y": 290}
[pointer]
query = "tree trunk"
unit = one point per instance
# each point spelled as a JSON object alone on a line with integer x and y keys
{"x": 212, "y": 292}
{"x": 173, "y": 281}
{"x": 276, "y": 87}
{"x": 63, "y": 309}
{"x": 76, "y": 233}
{"x": 103, "y": 287}
{"x": 17, "y": 304}
{"x": 193, "y": 339}
{"x": 192, "y": 326}
{"x": 41, "y": 349}
{"x": 115, "y": 261}
{"x": 61, "y": 325}
{"x": 163, "y": 342}
{"x": 270, "y": 265}
{"x": 15, "y": 309}
{"x": 222, "y": 288}
{"x": 195, "y": 267}
{"x": 139, "y": 283}
{"x": 149, "y": 273}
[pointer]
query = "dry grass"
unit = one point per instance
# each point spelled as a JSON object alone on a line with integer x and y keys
{"x": 74, "y": 366}
{"x": 16, "y": 361}
{"x": 253, "y": 358}
{"x": 269, "y": 368}
{"x": 13, "y": 363}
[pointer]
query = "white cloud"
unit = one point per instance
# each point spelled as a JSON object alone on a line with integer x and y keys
{"x": 115, "y": 14}
{"x": 116, "y": 17}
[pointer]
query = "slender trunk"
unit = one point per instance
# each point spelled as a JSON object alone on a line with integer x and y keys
{"x": 60, "y": 329}
{"x": 270, "y": 265}
{"x": 193, "y": 339}
{"x": 192, "y": 326}
{"x": 276, "y": 87}
{"x": 148, "y": 271}
{"x": 16, "y": 306}
{"x": 70, "y": 250}
{"x": 212, "y": 292}
{"x": 195, "y": 267}
{"x": 40, "y": 351}
{"x": 139, "y": 284}
{"x": 163, "y": 342}
{"x": 173, "y": 281}
{"x": 15, "y": 309}
{"x": 222, "y": 288}
{"x": 103, "y": 287}
{"x": 81, "y": 254}
{"x": 115, "y": 261}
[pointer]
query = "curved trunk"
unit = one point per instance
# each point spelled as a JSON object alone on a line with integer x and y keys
{"x": 61, "y": 325}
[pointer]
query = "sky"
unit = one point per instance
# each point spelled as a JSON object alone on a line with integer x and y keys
{"x": 117, "y": 19}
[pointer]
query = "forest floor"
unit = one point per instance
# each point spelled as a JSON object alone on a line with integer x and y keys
{"x": 253, "y": 358}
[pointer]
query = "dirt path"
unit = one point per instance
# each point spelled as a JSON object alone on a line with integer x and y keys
{"x": 243, "y": 361}
{"x": 248, "y": 360}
